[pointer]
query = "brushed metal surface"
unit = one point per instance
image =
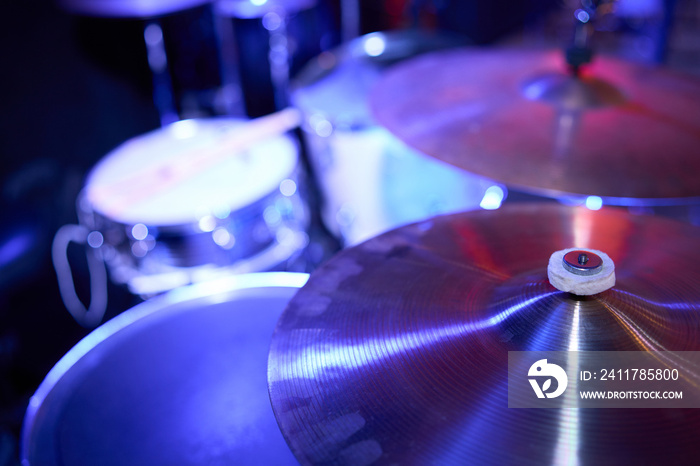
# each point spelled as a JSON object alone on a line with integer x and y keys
{"x": 624, "y": 130}
{"x": 395, "y": 351}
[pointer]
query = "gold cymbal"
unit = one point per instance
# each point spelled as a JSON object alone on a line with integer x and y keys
{"x": 620, "y": 130}
{"x": 396, "y": 350}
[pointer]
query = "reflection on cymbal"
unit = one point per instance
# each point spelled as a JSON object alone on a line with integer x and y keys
{"x": 396, "y": 351}
{"x": 622, "y": 130}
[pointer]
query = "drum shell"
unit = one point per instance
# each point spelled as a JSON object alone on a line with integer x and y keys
{"x": 371, "y": 181}
{"x": 185, "y": 248}
{"x": 179, "y": 379}
{"x": 152, "y": 257}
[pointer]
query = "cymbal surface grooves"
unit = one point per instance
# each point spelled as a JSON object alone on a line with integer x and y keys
{"x": 517, "y": 117}
{"x": 396, "y": 350}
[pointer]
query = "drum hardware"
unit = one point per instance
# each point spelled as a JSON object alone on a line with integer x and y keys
{"x": 583, "y": 272}
{"x": 571, "y": 93}
{"x": 582, "y": 262}
{"x": 350, "y": 20}
{"x": 194, "y": 201}
{"x": 323, "y": 243}
{"x": 179, "y": 379}
{"x": 396, "y": 350}
{"x": 163, "y": 93}
{"x": 92, "y": 315}
{"x": 580, "y": 51}
{"x": 261, "y": 28}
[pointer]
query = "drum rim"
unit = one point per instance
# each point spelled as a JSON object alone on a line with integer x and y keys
{"x": 226, "y": 285}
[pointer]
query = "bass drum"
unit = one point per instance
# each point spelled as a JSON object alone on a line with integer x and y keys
{"x": 371, "y": 181}
{"x": 180, "y": 379}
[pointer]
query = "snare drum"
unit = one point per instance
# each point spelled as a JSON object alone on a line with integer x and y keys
{"x": 180, "y": 379}
{"x": 165, "y": 226}
{"x": 371, "y": 181}
{"x": 181, "y": 205}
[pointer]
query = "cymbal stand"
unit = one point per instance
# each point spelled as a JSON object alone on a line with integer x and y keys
{"x": 163, "y": 95}
{"x": 580, "y": 51}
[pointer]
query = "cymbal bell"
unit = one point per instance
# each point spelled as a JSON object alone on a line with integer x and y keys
{"x": 620, "y": 130}
{"x": 396, "y": 350}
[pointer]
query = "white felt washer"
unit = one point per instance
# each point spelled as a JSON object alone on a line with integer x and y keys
{"x": 582, "y": 285}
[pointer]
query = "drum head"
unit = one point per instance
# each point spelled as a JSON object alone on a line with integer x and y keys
{"x": 179, "y": 174}
{"x": 178, "y": 380}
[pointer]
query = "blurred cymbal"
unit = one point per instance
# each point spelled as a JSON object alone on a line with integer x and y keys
{"x": 623, "y": 130}
{"x": 396, "y": 351}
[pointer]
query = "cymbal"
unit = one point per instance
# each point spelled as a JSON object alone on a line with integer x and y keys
{"x": 396, "y": 350}
{"x": 623, "y": 130}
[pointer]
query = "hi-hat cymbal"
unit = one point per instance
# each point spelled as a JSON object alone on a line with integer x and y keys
{"x": 621, "y": 130}
{"x": 396, "y": 351}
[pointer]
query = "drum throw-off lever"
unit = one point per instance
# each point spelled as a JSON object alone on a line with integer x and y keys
{"x": 581, "y": 272}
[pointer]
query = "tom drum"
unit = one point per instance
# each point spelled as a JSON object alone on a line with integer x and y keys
{"x": 180, "y": 379}
{"x": 371, "y": 181}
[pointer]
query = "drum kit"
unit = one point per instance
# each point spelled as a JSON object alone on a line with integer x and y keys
{"x": 395, "y": 350}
